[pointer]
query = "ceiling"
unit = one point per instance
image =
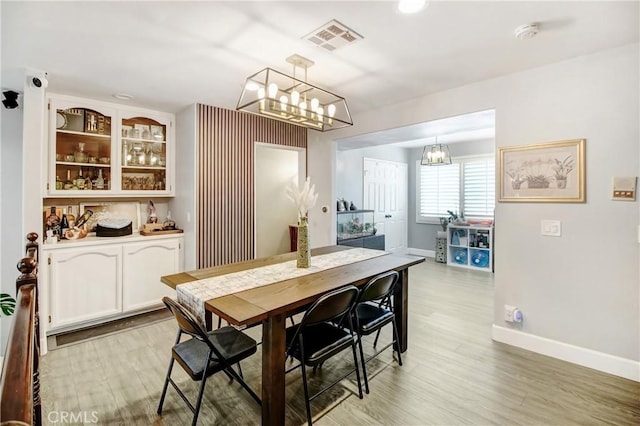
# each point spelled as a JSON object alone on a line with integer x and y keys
{"x": 172, "y": 54}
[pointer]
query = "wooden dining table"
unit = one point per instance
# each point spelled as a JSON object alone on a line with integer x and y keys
{"x": 271, "y": 304}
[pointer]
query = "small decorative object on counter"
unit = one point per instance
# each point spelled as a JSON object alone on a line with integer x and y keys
{"x": 153, "y": 217}
{"x": 304, "y": 200}
{"x": 75, "y": 233}
{"x": 352, "y": 206}
{"x": 342, "y": 206}
{"x": 114, "y": 228}
{"x": 168, "y": 223}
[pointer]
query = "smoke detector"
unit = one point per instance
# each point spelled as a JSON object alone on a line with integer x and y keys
{"x": 526, "y": 31}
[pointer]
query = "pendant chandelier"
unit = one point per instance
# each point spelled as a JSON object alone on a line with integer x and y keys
{"x": 435, "y": 155}
{"x": 273, "y": 94}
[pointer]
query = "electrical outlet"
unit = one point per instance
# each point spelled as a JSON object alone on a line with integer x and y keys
{"x": 508, "y": 313}
{"x": 512, "y": 314}
{"x": 551, "y": 228}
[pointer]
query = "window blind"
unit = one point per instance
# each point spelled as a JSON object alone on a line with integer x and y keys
{"x": 439, "y": 190}
{"x": 468, "y": 186}
{"x": 479, "y": 187}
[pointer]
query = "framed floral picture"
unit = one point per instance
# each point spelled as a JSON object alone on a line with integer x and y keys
{"x": 544, "y": 173}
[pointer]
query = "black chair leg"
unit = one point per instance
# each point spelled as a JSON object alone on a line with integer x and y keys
{"x": 306, "y": 393}
{"x": 196, "y": 411}
{"x": 364, "y": 366}
{"x": 375, "y": 342}
{"x": 244, "y": 385}
{"x": 166, "y": 385}
{"x": 355, "y": 362}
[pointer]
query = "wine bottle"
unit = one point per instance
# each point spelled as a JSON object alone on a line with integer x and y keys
{"x": 83, "y": 219}
{"x": 70, "y": 217}
{"x": 100, "y": 180}
{"x": 80, "y": 180}
{"x": 64, "y": 223}
{"x": 87, "y": 182}
{"x": 53, "y": 223}
{"x": 68, "y": 184}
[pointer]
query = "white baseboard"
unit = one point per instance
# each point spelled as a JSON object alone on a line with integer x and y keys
{"x": 600, "y": 361}
{"x": 421, "y": 252}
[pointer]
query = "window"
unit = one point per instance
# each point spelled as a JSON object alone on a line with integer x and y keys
{"x": 467, "y": 185}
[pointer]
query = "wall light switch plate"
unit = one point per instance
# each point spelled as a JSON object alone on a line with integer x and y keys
{"x": 624, "y": 188}
{"x": 551, "y": 228}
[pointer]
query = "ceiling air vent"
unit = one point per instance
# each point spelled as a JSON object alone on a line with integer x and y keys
{"x": 333, "y": 35}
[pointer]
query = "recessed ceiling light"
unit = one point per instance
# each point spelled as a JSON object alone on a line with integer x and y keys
{"x": 123, "y": 96}
{"x": 526, "y": 31}
{"x": 411, "y": 6}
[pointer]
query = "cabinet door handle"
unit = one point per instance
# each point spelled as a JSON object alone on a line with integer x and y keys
{"x": 387, "y": 216}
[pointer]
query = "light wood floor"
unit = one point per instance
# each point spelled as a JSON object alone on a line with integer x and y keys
{"x": 453, "y": 374}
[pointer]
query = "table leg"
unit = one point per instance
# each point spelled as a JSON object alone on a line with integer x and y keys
{"x": 273, "y": 362}
{"x": 401, "y": 307}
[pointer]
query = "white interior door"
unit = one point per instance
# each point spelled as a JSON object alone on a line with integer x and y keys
{"x": 385, "y": 192}
{"x": 275, "y": 167}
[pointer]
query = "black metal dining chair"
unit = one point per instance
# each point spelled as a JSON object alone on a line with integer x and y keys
{"x": 317, "y": 337}
{"x": 205, "y": 354}
{"x": 374, "y": 310}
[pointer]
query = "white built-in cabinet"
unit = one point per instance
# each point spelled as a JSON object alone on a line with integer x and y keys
{"x": 90, "y": 282}
{"x": 85, "y": 283}
{"x": 145, "y": 263}
{"x": 99, "y": 149}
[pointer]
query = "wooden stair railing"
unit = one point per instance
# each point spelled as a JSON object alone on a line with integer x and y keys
{"x": 20, "y": 381}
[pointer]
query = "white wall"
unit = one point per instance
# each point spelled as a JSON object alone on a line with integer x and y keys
{"x": 183, "y": 205}
{"x": 11, "y": 237}
{"x": 321, "y": 166}
{"x": 579, "y": 293}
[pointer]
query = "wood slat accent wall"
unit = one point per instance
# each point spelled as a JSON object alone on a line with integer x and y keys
{"x": 225, "y": 180}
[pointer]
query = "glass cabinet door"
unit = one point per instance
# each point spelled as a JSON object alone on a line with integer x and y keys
{"x": 144, "y": 155}
{"x": 82, "y": 150}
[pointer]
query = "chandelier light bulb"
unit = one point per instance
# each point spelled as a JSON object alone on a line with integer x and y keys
{"x": 314, "y": 104}
{"x": 295, "y": 98}
{"x": 261, "y": 93}
{"x": 283, "y": 102}
{"x": 320, "y": 112}
{"x": 331, "y": 110}
{"x": 252, "y": 86}
{"x": 303, "y": 109}
{"x": 273, "y": 90}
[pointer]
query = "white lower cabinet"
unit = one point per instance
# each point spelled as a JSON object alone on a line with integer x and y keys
{"x": 144, "y": 264}
{"x": 94, "y": 282}
{"x": 85, "y": 284}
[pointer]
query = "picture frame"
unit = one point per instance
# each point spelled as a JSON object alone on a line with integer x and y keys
{"x": 111, "y": 210}
{"x": 138, "y": 181}
{"x": 552, "y": 172}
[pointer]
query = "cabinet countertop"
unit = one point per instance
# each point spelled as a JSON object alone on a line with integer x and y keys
{"x": 92, "y": 240}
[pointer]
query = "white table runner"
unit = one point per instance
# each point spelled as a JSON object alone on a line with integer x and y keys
{"x": 193, "y": 295}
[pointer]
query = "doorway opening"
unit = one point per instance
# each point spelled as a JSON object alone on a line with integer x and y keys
{"x": 275, "y": 167}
